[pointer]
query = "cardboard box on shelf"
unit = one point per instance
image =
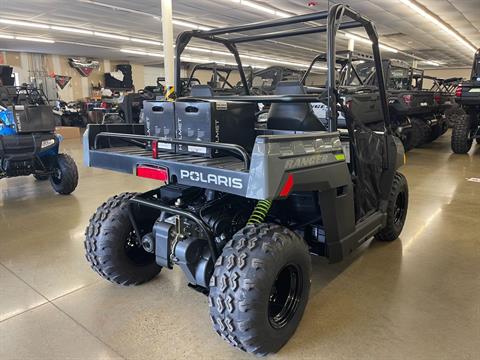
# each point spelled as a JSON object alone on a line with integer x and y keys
{"x": 68, "y": 132}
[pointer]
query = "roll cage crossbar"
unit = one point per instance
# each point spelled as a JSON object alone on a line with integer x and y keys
{"x": 334, "y": 18}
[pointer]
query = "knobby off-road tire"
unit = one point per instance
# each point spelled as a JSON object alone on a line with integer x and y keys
{"x": 111, "y": 247}
{"x": 461, "y": 141}
{"x": 41, "y": 177}
{"x": 259, "y": 269}
{"x": 65, "y": 178}
{"x": 396, "y": 210}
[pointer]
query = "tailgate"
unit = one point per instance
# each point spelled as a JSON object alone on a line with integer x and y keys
{"x": 470, "y": 93}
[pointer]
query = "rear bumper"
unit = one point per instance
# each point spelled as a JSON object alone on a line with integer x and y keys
{"x": 26, "y": 146}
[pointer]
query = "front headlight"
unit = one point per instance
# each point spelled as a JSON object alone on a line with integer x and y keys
{"x": 47, "y": 143}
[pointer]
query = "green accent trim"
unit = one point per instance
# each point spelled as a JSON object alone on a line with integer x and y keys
{"x": 340, "y": 157}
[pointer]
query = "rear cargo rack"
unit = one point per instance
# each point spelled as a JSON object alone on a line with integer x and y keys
{"x": 137, "y": 140}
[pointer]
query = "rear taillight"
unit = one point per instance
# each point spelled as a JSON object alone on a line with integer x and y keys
{"x": 349, "y": 104}
{"x": 155, "y": 149}
{"x": 437, "y": 99}
{"x": 407, "y": 99}
{"x": 458, "y": 92}
{"x": 150, "y": 172}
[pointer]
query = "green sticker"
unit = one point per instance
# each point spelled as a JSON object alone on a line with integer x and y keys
{"x": 340, "y": 157}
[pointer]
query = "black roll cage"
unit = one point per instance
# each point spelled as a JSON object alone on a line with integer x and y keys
{"x": 476, "y": 66}
{"x": 334, "y": 17}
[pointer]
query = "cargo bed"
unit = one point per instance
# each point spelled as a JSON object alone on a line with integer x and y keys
{"x": 124, "y": 148}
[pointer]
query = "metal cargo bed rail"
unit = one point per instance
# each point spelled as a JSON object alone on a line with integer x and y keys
{"x": 137, "y": 139}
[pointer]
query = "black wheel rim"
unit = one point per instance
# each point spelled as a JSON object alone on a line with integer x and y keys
{"x": 57, "y": 176}
{"x": 285, "y": 296}
{"x": 400, "y": 207}
{"x": 135, "y": 251}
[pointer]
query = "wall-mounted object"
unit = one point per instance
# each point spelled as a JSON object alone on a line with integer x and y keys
{"x": 83, "y": 65}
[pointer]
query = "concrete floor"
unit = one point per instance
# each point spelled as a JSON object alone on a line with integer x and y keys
{"x": 417, "y": 298}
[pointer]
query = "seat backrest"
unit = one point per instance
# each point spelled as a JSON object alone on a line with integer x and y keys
{"x": 202, "y": 91}
{"x": 292, "y": 116}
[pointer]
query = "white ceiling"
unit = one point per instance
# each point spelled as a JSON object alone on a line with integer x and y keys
{"x": 398, "y": 26}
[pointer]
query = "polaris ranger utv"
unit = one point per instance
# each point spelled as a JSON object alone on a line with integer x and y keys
{"x": 467, "y": 127}
{"x": 243, "y": 209}
{"x": 28, "y": 145}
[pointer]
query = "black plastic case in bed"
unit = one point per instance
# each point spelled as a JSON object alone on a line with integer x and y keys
{"x": 230, "y": 122}
{"x": 159, "y": 119}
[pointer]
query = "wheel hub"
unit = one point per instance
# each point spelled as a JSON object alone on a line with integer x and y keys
{"x": 285, "y": 296}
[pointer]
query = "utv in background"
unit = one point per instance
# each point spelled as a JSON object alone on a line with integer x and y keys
{"x": 265, "y": 81}
{"x": 444, "y": 90}
{"x": 243, "y": 209}
{"x": 467, "y": 127}
{"x": 28, "y": 145}
{"x": 220, "y": 82}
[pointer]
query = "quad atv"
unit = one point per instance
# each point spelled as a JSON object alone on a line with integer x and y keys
{"x": 243, "y": 209}
{"x": 28, "y": 145}
{"x": 467, "y": 127}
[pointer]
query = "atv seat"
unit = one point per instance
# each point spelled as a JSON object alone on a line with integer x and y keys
{"x": 292, "y": 116}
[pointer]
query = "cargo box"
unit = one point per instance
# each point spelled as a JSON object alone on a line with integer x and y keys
{"x": 160, "y": 121}
{"x": 231, "y": 122}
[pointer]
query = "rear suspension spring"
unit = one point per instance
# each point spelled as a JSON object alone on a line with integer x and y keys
{"x": 260, "y": 212}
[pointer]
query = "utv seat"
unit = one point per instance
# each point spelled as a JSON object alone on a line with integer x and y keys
{"x": 292, "y": 116}
{"x": 202, "y": 91}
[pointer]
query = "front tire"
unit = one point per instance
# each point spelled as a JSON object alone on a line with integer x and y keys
{"x": 259, "y": 288}
{"x": 111, "y": 246}
{"x": 64, "y": 180}
{"x": 396, "y": 209}
{"x": 461, "y": 140}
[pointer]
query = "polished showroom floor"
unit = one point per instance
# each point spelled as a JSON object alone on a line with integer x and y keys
{"x": 416, "y": 298}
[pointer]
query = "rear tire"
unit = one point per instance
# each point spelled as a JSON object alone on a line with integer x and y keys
{"x": 421, "y": 132}
{"x": 461, "y": 140}
{"x": 111, "y": 246}
{"x": 65, "y": 178}
{"x": 396, "y": 210}
{"x": 259, "y": 288}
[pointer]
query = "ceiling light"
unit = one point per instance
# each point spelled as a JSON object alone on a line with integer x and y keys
{"x": 143, "y": 53}
{"x": 257, "y": 6}
{"x": 367, "y": 41}
{"x": 4, "y": 36}
{"x": 145, "y": 41}
{"x": 190, "y": 25}
{"x": 134, "y": 52}
{"x": 24, "y": 23}
{"x": 262, "y": 8}
{"x": 72, "y": 30}
{"x": 111, "y": 36}
{"x": 439, "y": 23}
{"x": 25, "y": 38}
{"x": 429, "y": 62}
